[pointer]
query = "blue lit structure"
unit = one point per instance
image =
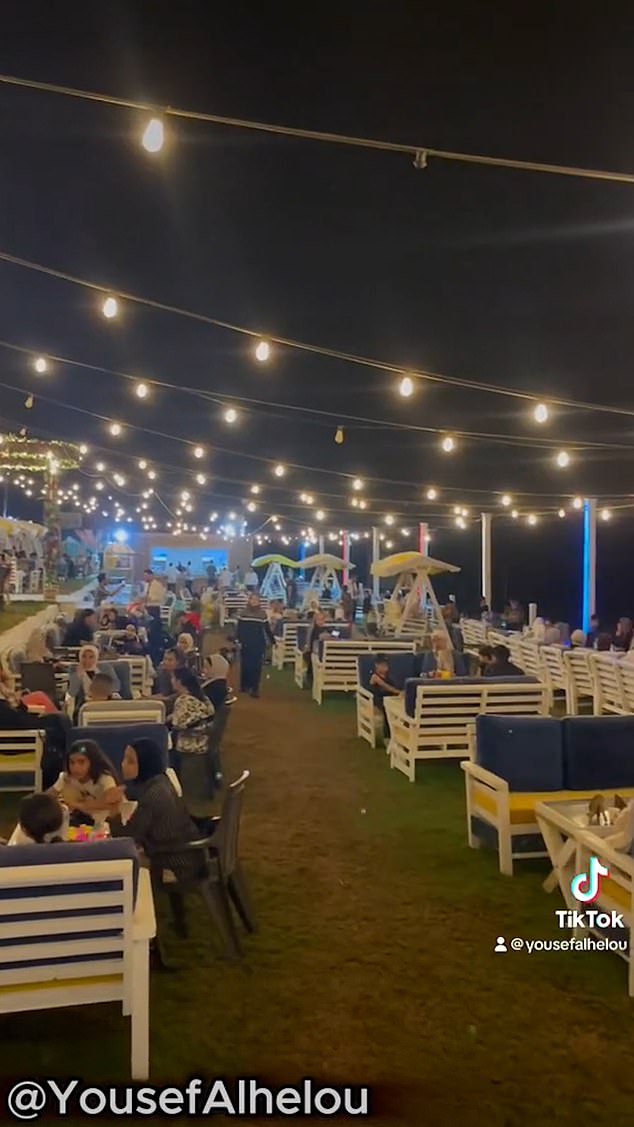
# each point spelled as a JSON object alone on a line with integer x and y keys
{"x": 588, "y": 598}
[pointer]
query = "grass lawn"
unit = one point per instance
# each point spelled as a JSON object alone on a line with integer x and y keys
{"x": 69, "y": 586}
{"x": 374, "y": 962}
{"x": 15, "y": 613}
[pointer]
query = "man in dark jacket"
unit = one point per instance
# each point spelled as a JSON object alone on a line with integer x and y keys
{"x": 252, "y": 633}
{"x": 502, "y": 666}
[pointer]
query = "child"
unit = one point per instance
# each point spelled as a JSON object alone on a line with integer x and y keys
{"x": 42, "y": 820}
{"x": 382, "y": 686}
{"x": 89, "y": 784}
{"x": 101, "y": 688}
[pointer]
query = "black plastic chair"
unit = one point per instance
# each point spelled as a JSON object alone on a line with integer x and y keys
{"x": 220, "y": 880}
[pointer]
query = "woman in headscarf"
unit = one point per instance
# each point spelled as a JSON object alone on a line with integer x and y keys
{"x": 81, "y": 676}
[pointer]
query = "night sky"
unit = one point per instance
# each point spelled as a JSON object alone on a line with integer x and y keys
{"x": 499, "y": 276}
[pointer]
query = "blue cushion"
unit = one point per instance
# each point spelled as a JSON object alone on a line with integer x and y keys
{"x": 411, "y": 686}
{"x": 427, "y": 663}
{"x": 115, "y": 849}
{"x": 113, "y": 741}
{"x": 598, "y": 752}
{"x": 401, "y": 666}
{"x": 342, "y": 629}
{"x": 527, "y": 751}
{"x": 302, "y": 635}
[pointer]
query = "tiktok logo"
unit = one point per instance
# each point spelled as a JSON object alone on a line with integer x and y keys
{"x": 585, "y": 886}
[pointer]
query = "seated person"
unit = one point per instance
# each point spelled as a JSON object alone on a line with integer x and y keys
{"x": 88, "y": 785}
{"x": 131, "y": 645}
{"x": 42, "y": 820}
{"x": 163, "y": 686}
{"x": 502, "y": 666}
{"x": 102, "y": 688}
{"x": 82, "y": 675}
{"x": 438, "y": 663}
{"x": 485, "y": 657}
{"x": 186, "y": 650}
{"x": 382, "y": 686}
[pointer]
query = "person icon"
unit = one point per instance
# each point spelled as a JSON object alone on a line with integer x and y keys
{"x": 500, "y": 946}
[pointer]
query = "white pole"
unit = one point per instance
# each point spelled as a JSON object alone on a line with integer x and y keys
{"x": 486, "y": 558}
{"x": 345, "y": 552}
{"x": 376, "y": 555}
{"x": 321, "y": 544}
{"x": 589, "y": 601}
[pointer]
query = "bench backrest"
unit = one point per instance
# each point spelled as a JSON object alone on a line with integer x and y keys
{"x": 474, "y": 633}
{"x": 513, "y": 642}
{"x": 114, "y": 738}
{"x": 66, "y": 916}
{"x": 577, "y": 662}
{"x": 531, "y": 660}
{"x": 626, "y": 670}
{"x": 467, "y": 697}
{"x": 553, "y": 667}
{"x": 402, "y": 666}
{"x": 122, "y": 712}
{"x": 335, "y": 651}
{"x": 607, "y": 680}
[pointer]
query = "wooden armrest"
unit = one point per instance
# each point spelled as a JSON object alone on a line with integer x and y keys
{"x": 484, "y": 776}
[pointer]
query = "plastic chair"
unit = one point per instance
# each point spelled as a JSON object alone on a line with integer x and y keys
{"x": 220, "y": 880}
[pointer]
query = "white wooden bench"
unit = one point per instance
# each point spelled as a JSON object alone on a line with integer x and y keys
{"x": 608, "y": 685}
{"x": 580, "y": 683}
{"x": 336, "y": 669}
{"x": 21, "y": 754}
{"x": 554, "y": 673}
{"x": 109, "y": 712}
{"x": 140, "y": 681}
{"x": 474, "y": 633}
{"x": 77, "y": 947}
{"x": 285, "y": 645}
{"x": 444, "y": 711}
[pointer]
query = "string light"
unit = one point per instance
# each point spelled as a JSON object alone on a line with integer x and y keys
{"x": 142, "y": 391}
{"x": 153, "y": 136}
{"x": 28, "y": 402}
{"x": 514, "y": 514}
{"x": 405, "y": 532}
{"x": 255, "y": 489}
{"x": 115, "y": 429}
{"x": 389, "y": 519}
{"x": 230, "y": 415}
{"x": 83, "y": 449}
{"x": 200, "y": 478}
{"x": 320, "y": 515}
{"x": 563, "y": 459}
{"x": 406, "y": 387}
{"x": 506, "y": 500}
{"x": 251, "y": 507}
{"x": 40, "y": 365}
{"x": 152, "y": 475}
{"x": 448, "y": 444}
{"x": 199, "y": 452}
{"x": 100, "y": 467}
{"x": 432, "y": 494}
{"x": 142, "y": 464}
{"x": 339, "y": 436}
{"x": 561, "y": 513}
{"x": 262, "y": 351}
{"x": 363, "y": 504}
{"x": 577, "y": 503}
{"x": 110, "y": 308}
{"x": 389, "y": 544}
{"x": 357, "y": 484}
{"x": 119, "y": 479}
{"x": 279, "y": 470}
{"x": 459, "y": 522}
{"x": 532, "y": 519}
{"x": 540, "y": 414}
{"x": 605, "y": 514}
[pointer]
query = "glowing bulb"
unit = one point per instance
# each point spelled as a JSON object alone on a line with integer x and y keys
{"x": 354, "y": 501}
{"x": 457, "y": 510}
{"x": 279, "y": 470}
{"x": 83, "y": 449}
{"x": 40, "y": 365}
{"x": 563, "y": 459}
{"x": 506, "y": 500}
{"x": 459, "y": 522}
{"x": 406, "y": 387}
{"x": 357, "y": 484}
{"x": 532, "y": 519}
{"x": 110, "y": 308}
{"x": 199, "y": 452}
{"x": 251, "y": 507}
{"x": 605, "y": 514}
{"x": 115, "y": 429}
{"x": 119, "y": 479}
{"x": 577, "y": 503}
{"x": 540, "y": 414}
{"x": 405, "y": 532}
{"x": 99, "y": 485}
{"x": 561, "y": 513}
{"x": 363, "y": 504}
{"x": 200, "y": 478}
{"x": 389, "y": 519}
{"x": 153, "y": 136}
{"x": 262, "y": 351}
{"x": 255, "y": 488}
{"x": 100, "y": 467}
{"x": 448, "y": 444}
{"x": 142, "y": 390}
{"x": 142, "y": 464}
{"x": 320, "y": 514}
{"x": 515, "y": 514}
{"x": 309, "y": 499}
{"x": 230, "y": 415}
{"x": 185, "y": 495}
{"x": 389, "y": 544}
{"x": 432, "y": 494}
{"x": 28, "y": 402}
{"x": 339, "y": 436}
{"x": 152, "y": 474}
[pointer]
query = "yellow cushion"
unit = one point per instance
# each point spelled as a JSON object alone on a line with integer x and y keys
{"x": 522, "y": 804}
{"x": 27, "y": 759}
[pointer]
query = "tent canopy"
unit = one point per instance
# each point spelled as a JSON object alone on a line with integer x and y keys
{"x": 263, "y": 561}
{"x": 324, "y": 560}
{"x": 410, "y": 561}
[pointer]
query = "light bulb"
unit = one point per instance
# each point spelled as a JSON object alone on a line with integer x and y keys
{"x": 561, "y": 513}
{"x": 255, "y": 488}
{"x": 199, "y": 452}
{"x": 100, "y": 467}
{"x": 279, "y": 470}
{"x": 142, "y": 464}
{"x": 405, "y": 532}
{"x": 28, "y": 402}
{"x": 119, "y": 479}
{"x": 115, "y": 429}
{"x": 110, "y": 308}
{"x": 406, "y": 387}
{"x": 389, "y": 519}
{"x": 532, "y": 519}
{"x": 339, "y": 436}
{"x": 153, "y": 136}
{"x": 83, "y": 449}
{"x": 262, "y": 351}
{"x": 99, "y": 485}
{"x": 506, "y": 500}
{"x": 320, "y": 514}
{"x": 142, "y": 390}
{"x": 354, "y": 501}
{"x": 152, "y": 474}
{"x": 459, "y": 522}
{"x": 563, "y": 459}
{"x": 457, "y": 511}
{"x": 515, "y": 514}
{"x": 389, "y": 544}
{"x": 309, "y": 499}
{"x": 432, "y": 494}
{"x": 540, "y": 414}
{"x": 230, "y": 415}
{"x": 40, "y": 365}
{"x": 605, "y": 514}
{"x": 577, "y": 503}
{"x": 357, "y": 484}
{"x": 363, "y": 504}
{"x": 200, "y": 478}
{"x": 251, "y": 507}
{"x": 448, "y": 444}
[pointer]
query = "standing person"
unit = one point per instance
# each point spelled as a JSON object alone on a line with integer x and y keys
{"x": 593, "y": 632}
{"x": 153, "y": 593}
{"x": 212, "y": 573}
{"x": 291, "y": 589}
{"x": 251, "y": 581}
{"x": 82, "y": 629}
{"x": 171, "y": 575}
{"x": 237, "y": 577}
{"x": 347, "y": 604}
{"x": 225, "y": 579}
{"x": 253, "y": 632}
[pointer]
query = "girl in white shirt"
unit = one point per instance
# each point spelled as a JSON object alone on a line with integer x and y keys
{"x": 89, "y": 784}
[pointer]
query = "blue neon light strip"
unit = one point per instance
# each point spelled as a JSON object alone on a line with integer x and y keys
{"x": 586, "y": 609}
